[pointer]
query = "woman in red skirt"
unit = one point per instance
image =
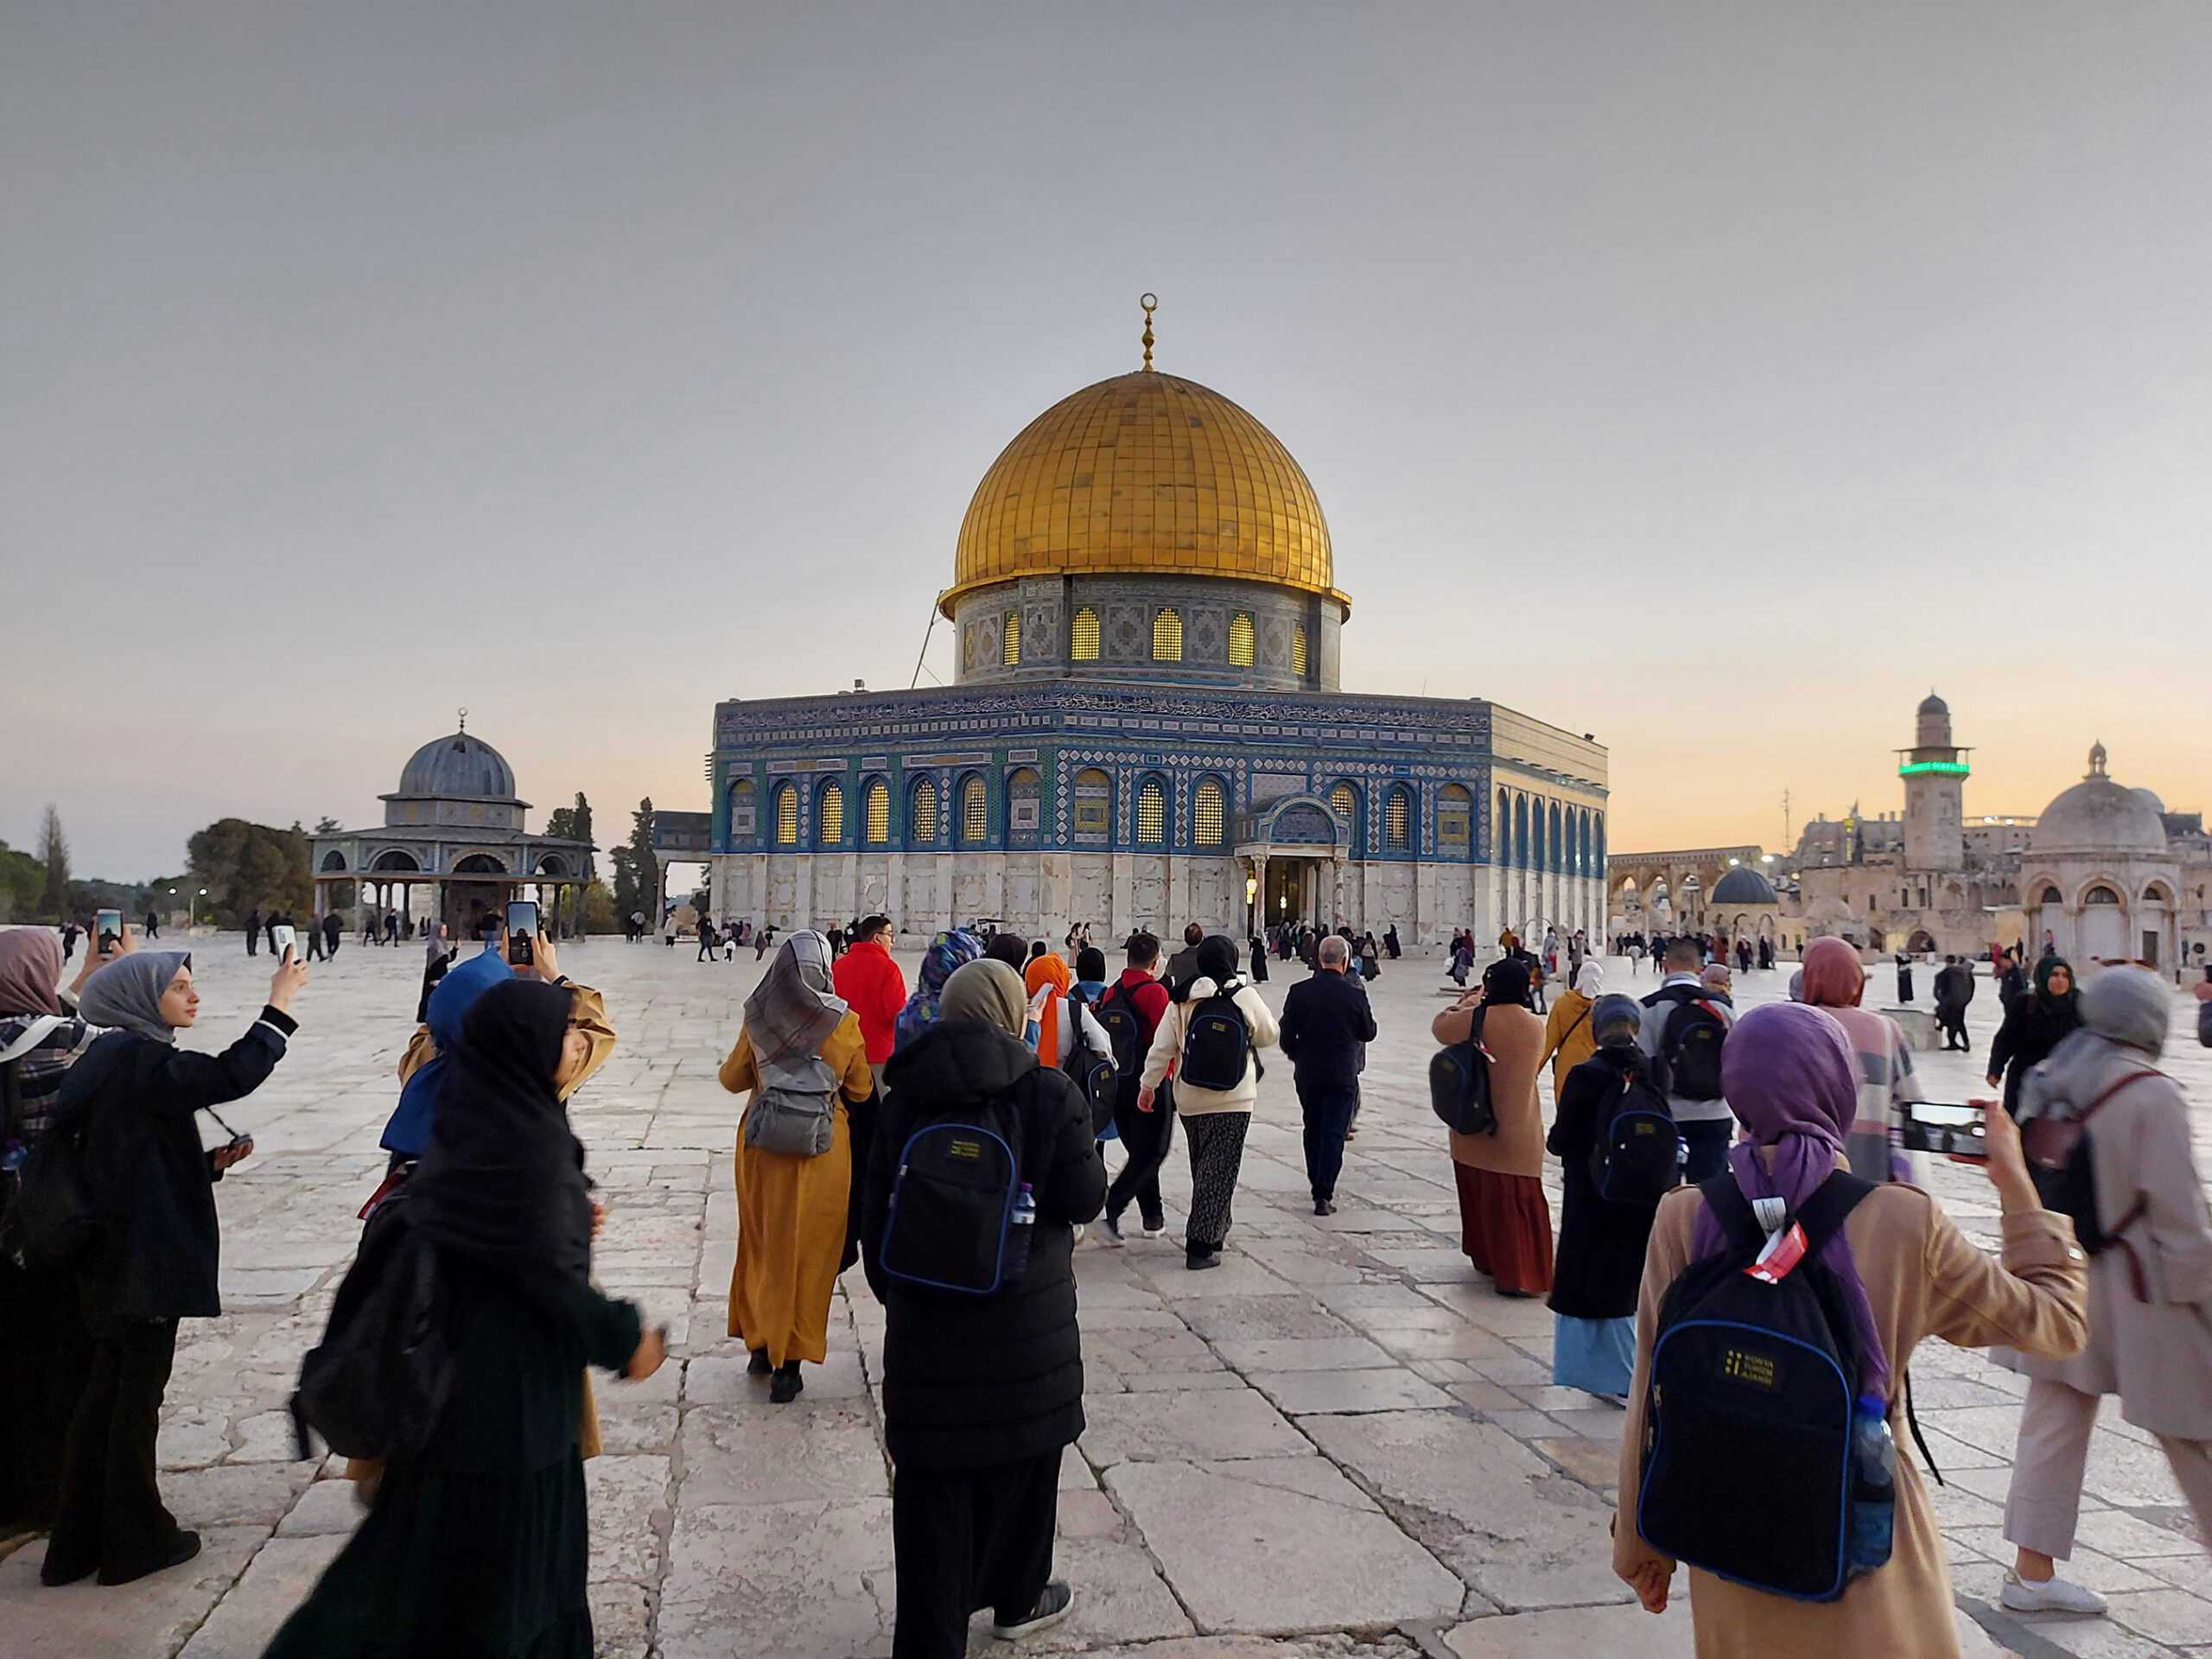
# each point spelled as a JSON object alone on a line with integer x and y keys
{"x": 1505, "y": 1225}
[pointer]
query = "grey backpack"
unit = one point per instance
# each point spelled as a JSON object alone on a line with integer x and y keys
{"x": 794, "y": 1110}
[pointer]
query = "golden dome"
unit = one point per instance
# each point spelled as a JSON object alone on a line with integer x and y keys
{"x": 1144, "y": 475}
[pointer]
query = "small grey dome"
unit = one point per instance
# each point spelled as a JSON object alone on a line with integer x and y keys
{"x": 2098, "y": 815}
{"x": 1743, "y": 885}
{"x": 2150, "y": 799}
{"x": 460, "y": 765}
{"x": 1932, "y": 704}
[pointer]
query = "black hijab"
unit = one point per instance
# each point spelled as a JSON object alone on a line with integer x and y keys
{"x": 1505, "y": 981}
{"x": 503, "y": 1180}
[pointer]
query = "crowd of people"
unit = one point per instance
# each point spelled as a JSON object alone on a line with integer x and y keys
{"x": 951, "y": 1139}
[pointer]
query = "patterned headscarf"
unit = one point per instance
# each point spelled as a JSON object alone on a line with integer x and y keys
{"x": 795, "y": 1007}
{"x": 947, "y": 953}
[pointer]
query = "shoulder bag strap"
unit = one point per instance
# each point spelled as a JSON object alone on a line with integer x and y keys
{"x": 1563, "y": 1036}
{"x": 33, "y": 1035}
{"x": 2087, "y": 1111}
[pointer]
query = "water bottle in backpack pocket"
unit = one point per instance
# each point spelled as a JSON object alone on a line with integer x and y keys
{"x": 1754, "y": 1456}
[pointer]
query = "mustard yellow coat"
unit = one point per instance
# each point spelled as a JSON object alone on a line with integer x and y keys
{"x": 792, "y": 1213}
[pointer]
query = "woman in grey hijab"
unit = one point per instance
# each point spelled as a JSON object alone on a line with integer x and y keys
{"x": 136, "y": 1097}
{"x": 2149, "y": 1286}
{"x": 801, "y": 1053}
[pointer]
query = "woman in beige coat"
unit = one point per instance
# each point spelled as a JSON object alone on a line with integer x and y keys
{"x": 1505, "y": 1222}
{"x": 2150, "y": 1292}
{"x": 1908, "y": 1273}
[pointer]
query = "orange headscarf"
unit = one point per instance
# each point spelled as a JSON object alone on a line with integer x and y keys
{"x": 1052, "y": 969}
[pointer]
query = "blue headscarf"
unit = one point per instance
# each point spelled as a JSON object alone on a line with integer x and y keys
{"x": 408, "y": 1132}
{"x": 948, "y": 951}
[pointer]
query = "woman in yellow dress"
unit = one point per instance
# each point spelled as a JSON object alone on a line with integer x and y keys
{"x": 801, "y": 1046}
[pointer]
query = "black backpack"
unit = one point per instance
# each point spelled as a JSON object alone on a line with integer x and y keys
{"x": 375, "y": 1385}
{"x": 1117, "y": 1012}
{"x": 1748, "y": 1414}
{"x": 1459, "y": 1084}
{"x": 1636, "y": 1157}
{"x": 951, "y": 1224}
{"x": 1217, "y": 1041}
{"x": 1690, "y": 1042}
{"x": 1096, "y": 1076}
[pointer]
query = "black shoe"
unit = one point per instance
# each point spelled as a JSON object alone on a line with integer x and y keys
{"x": 785, "y": 1389}
{"x": 1200, "y": 1261}
{"x": 51, "y": 1575}
{"x": 186, "y": 1547}
{"x": 759, "y": 1365}
{"x": 1324, "y": 1207}
{"x": 1051, "y": 1607}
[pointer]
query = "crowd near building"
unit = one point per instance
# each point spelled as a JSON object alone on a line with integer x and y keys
{"x": 1147, "y": 725}
{"x": 2104, "y": 873}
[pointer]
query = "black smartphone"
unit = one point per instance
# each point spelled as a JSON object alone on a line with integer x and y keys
{"x": 1955, "y": 1130}
{"x": 522, "y": 927}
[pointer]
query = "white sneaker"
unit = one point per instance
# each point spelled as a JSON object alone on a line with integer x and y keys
{"x": 2053, "y": 1595}
{"x": 1082, "y": 1231}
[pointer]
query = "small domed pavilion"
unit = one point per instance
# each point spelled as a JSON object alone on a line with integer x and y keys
{"x": 2100, "y": 880}
{"x": 453, "y": 844}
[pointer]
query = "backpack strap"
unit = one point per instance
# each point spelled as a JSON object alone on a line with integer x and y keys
{"x": 1732, "y": 1210}
{"x": 1823, "y": 1214}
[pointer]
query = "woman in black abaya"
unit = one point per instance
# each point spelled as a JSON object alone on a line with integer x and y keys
{"x": 479, "y": 1547}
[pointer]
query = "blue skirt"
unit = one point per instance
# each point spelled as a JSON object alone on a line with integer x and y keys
{"x": 1596, "y": 1356}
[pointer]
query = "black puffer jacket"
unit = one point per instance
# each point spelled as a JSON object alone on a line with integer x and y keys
{"x": 971, "y": 1382}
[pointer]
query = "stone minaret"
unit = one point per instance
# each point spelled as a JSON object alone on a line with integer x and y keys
{"x": 1935, "y": 773}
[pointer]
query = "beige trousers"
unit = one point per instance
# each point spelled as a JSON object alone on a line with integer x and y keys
{"x": 2044, "y": 1501}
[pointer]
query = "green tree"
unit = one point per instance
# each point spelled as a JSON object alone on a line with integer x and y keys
{"x": 247, "y": 867}
{"x": 599, "y": 910}
{"x": 53, "y": 853}
{"x": 637, "y": 872}
{"x": 23, "y": 879}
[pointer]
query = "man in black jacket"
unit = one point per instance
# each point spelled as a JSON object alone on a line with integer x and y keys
{"x": 1326, "y": 1023}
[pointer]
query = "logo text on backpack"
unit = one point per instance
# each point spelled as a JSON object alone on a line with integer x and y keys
{"x": 1752, "y": 1369}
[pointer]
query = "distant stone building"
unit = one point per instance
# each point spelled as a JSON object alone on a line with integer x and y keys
{"x": 453, "y": 843}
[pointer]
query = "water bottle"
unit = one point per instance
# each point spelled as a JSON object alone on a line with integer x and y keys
{"x": 1021, "y": 1227}
{"x": 1682, "y": 1159}
{"x": 1873, "y": 1485}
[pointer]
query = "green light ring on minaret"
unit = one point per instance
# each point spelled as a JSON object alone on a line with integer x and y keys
{"x": 1939, "y": 768}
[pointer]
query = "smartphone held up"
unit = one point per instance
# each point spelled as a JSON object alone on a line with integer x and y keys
{"x": 1959, "y": 1132}
{"x": 522, "y": 928}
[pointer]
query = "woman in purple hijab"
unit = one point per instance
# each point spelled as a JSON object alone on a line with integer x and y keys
{"x": 1909, "y": 1273}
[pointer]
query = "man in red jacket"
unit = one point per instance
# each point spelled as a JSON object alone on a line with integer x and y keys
{"x": 872, "y": 987}
{"x": 1145, "y": 1137}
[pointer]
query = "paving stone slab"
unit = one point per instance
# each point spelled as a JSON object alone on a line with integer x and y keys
{"x": 771, "y": 1580}
{"x": 282, "y": 1573}
{"x": 1579, "y": 1633}
{"x": 779, "y": 1455}
{"x": 1302, "y": 1393}
{"x": 1279, "y": 1546}
{"x": 150, "y": 1619}
{"x": 1204, "y": 1423}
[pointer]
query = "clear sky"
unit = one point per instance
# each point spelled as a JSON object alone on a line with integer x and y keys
{"x": 1714, "y": 378}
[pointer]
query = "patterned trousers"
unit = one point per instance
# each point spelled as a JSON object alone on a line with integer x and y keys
{"x": 1216, "y": 1143}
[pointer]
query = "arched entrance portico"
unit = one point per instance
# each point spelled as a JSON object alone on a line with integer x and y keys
{"x": 1293, "y": 852}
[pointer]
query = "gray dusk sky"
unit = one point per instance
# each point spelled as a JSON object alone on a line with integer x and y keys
{"x": 1712, "y": 377}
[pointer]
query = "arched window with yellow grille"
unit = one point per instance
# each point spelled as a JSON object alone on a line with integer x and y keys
{"x": 1298, "y": 652}
{"x": 786, "y": 815}
{"x": 1013, "y": 638}
{"x": 1397, "y": 818}
{"x": 922, "y": 825}
{"x": 1168, "y": 636}
{"x": 879, "y": 813}
{"x": 1209, "y": 814}
{"x": 829, "y": 817}
{"x": 1083, "y": 634}
{"x": 1152, "y": 813}
{"x": 1240, "y": 639}
{"x": 974, "y": 811}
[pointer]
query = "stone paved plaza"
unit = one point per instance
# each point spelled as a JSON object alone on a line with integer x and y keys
{"x": 1339, "y": 1442}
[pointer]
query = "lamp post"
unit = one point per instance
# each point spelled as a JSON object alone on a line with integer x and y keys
{"x": 1251, "y": 892}
{"x": 191, "y": 911}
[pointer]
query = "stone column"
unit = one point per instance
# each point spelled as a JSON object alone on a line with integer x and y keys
{"x": 1258, "y": 907}
{"x": 894, "y": 897}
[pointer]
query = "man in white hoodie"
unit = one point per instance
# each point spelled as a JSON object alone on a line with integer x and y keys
{"x": 1214, "y": 1120}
